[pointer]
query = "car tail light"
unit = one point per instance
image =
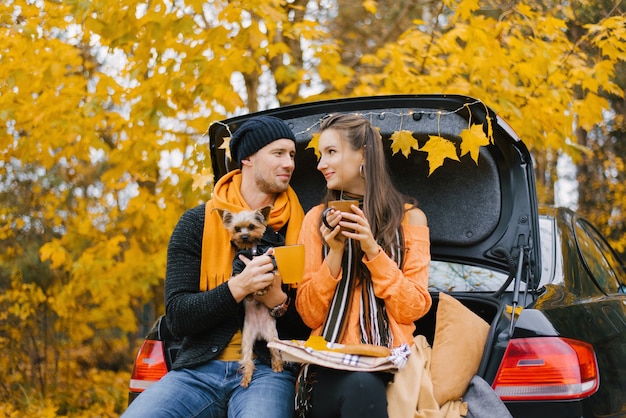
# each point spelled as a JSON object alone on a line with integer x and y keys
{"x": 149, "y": 366}
{"x": 547, "y": 368}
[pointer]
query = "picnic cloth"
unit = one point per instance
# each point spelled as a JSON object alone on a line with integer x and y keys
{"x": 351, "y": 357}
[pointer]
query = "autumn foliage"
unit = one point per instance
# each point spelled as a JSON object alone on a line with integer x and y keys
{"x": 104, "y": 106}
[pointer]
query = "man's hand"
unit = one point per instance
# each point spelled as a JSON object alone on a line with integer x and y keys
{"x": 257, "y": 275}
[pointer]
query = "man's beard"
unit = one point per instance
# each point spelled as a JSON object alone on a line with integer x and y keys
{"x": 270, "y": 187}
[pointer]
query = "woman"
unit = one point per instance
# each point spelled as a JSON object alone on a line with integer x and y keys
{"x": 366, "y": 271}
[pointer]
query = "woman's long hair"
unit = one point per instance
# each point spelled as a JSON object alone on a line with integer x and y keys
{"x": 383, "y": 204}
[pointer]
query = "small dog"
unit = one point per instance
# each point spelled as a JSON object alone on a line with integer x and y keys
{"x": 250, "y": 235}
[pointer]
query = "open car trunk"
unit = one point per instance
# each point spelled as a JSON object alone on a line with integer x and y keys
{"x": 480, "y": 202}
{"x": 476, "y": 188}
{"x": 478, "y": 212}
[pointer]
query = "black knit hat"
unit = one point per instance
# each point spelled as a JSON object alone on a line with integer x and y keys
{"x": 255, "y": 133}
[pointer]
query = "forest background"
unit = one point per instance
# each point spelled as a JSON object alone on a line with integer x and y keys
{"x": 104, "y": 105}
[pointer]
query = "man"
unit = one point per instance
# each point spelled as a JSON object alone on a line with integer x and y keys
{"x": 204, "y": 303}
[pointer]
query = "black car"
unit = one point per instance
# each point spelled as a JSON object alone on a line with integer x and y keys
{"x": 548, "y": 284}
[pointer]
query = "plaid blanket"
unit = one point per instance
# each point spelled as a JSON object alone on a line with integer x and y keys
{"x": 336, "y": 357}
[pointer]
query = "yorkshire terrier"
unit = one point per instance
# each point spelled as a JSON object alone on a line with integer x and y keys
{"x": 251, "y": 237}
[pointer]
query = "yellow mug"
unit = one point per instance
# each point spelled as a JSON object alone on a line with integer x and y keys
{"x": 290, "y": 262}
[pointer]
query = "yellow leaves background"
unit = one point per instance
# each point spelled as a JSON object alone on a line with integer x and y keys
{"x": 103, "y": 110}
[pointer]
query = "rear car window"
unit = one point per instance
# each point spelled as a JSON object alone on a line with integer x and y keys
{"x": 597, "y": 255}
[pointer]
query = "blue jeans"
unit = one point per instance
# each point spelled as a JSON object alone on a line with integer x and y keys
{"x": 213, "y": 390}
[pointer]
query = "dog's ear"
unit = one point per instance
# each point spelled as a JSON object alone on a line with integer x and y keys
{"x": 265, "y": 212}
{"x": 259, "y": 217}
{"x": 226, "y": 216}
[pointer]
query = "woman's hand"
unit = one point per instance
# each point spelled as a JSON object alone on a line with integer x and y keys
{"x": 358, "y": 228}
{"x": 335, "y": 240}
{"x": 332, "y": 235}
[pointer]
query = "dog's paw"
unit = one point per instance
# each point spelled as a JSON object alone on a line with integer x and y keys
{"x": 246, "y": 368}
{"x": 277, "y": 365}
{"x": 245, "y": 381}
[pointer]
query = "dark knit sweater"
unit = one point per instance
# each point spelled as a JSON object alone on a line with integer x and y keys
{"x": 208, "y": 320}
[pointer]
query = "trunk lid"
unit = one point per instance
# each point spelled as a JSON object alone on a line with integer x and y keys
{"x": 482, "y": 214}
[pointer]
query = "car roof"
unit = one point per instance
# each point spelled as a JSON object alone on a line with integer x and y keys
{"x": 481, "y": 214}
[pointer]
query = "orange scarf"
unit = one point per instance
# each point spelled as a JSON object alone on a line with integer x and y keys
{"x": 217, "y": 256}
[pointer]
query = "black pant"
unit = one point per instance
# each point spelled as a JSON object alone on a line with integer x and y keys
{"x": 338, "y": 393}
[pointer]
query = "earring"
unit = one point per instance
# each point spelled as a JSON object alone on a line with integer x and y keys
{"x": 361, "y": 172}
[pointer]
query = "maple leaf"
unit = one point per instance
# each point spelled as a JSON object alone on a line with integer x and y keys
{"x": 314, "y": 144}
{"x": 201, "y": 179}
{"x": 370, "y": 6}
{"x": 226, "y": 146}
{"x": 53, "y": 252}
{"x": 438, "y": 150}
{"x": 473, "y": 139}
{"x": 403, "y": 141}
{"x": 466, "y": 8}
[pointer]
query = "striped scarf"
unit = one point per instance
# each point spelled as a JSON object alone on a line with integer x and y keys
{"x": 374, "y": 321}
